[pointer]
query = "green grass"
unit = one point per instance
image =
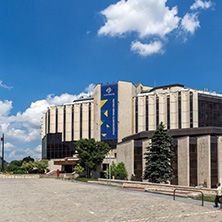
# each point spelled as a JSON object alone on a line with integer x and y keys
{"x": 207, "y": 198}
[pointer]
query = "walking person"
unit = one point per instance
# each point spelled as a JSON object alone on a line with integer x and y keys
{"x": 218, "y": 195}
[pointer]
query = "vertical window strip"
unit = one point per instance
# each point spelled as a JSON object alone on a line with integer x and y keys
{"x": 56, "y": 120}
{"x": 72, "y": 122}
{"x": 80, "y": 121}
{"x": 136, "y": 112}
{"x": 147, "y": 113}
{"x": 64, "y": 123}
{"x": 89, "y": 120}
{"x": 48, "y": 120}
{"x": 168, "y": 112}
{"x": 157, "y": 110}
{"x": 191, "y": 109}
{"x": 179, "y": 110}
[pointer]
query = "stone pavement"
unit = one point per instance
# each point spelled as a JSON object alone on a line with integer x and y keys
{"x": 57, "y": 200}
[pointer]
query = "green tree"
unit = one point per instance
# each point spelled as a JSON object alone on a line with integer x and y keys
{"x": 14, "y": 165}
{"x": 28, "y": 159}
{"x": 120, "y": 171}
{"x": 159, "y": 157}
{"x": 40, "y": 165}
{"x": 27, "y": 166}
{"x": 91, "y": 153}
{"x": 78, "y": 169}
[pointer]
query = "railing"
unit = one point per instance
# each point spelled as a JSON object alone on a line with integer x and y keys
{"x": 174, "y": 193}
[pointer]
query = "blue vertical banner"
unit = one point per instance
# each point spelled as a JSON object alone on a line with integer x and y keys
{"x": 109, "y": 111}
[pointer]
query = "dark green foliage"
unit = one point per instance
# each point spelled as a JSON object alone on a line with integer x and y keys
{"x": 28, "y": 159}
{"x": 91, "y": 153}
{"x": 14, "y": 165}
{"x": 159, "y": 157}
{"x": 113, "y": 166}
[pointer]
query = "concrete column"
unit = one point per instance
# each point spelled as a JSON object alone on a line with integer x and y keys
{"x": 68, "y": 131}
{"x": 141, "y": 114}
{"x": 183, "y": 161}
{"x": 185, "y": 109}
{"x": 61, "y": 120}
{"x": 195, "y": 109}
{"x": 174, "y": 110}
{"x": 219, "y": 158}
{"x": 204, "y": 160}
{"x": 76, "y": 121}
{"x": 125, "y": 109}
{"x": 163, "y": 109}
{"x": 152, "y": 112}
{"x": 43, "y": 128}
{"x": 97, "y": 112}
{"x": 52, "y": 119}
{"x": 85, "y": 120}
{"x": 125, "y": 154}
{"x": 134, "y": 114}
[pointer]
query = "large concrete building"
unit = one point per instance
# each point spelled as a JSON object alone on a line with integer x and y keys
{"x": 125, "y": 116}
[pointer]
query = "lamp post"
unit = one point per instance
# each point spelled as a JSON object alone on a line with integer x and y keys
{"x": 2, "y": 139}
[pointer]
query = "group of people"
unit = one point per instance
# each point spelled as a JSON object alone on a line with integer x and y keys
{"x": 218, "y": 195}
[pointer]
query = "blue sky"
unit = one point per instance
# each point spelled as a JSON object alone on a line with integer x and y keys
{"x": 51, "y": 51}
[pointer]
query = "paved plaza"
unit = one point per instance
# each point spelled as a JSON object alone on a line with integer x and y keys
{"x": 57, "y": 200}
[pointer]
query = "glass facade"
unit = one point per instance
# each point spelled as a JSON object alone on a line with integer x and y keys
{"x": 138, "y": 160}
{"x": 174, "y": 163}
{"x": 214, "y": 162}
{"x": 210, "y": 111}
{"x": 193, "y": 161}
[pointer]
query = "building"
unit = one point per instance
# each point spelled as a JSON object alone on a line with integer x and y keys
{"x": 125, "y": 115}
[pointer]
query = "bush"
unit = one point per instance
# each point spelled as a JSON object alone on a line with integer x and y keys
{"x": 120, "y": 171}
{"x": 19, "y": 172}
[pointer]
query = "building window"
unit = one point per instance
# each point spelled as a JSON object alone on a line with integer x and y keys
{"x": 64, "y": 123}
{"x": 80, "y": 121}
{"x": 89, "y": 120}
{"x": 56, "y": 120}
{"x": 168, "y": 112}
{"x": 138, "y": 160}
{"x": 193, "y": 161}
{"x": 179, "y": 110}
{"x": 191, "y": 109}
{"x": 214, "y": 161}
{"x": 174, "y": 163}
{"x": 157, "y": 110}
{"x": 147, "y": 113}
{"x": 72, "y": 122}
{"x": 48, "y": 120}
{"x": 136, "y": 112}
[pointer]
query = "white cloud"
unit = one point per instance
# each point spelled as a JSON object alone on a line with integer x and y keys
{"x": 201, "y": 4}
{"x": 12, "y": 155}
{"x": 38, "y": 148}
{"x": 8, "y": 146}
{"x": 4, "y": 86}
{"x": 151, "y": 20}
{"x": 24, "y": 127}
{"x": 5, "y": 107}
{"x": 146, "y": 17}
{"x": 147, "y": 49}
{"x": 190, "y": 22}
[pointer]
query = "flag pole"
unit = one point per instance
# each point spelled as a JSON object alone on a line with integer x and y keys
{"x": 2, "y": 139}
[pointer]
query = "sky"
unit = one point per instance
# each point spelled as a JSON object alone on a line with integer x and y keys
{"x": 53, "y": 51}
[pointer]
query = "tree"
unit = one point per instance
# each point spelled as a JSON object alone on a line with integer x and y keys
{"x": 14, "y": 165}
{"x": 112, "y": 169}
{"x": 40, "y": 165}
{"x": 91, "y": 153}
{"x": 28, "y": 159}
{"x": 120, "y": 171}
{"x": 27, "y": 166}
{"x": 159, "y": 157}
{"x": 78, "y": 169}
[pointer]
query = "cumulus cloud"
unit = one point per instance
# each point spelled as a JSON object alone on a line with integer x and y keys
{"x": 201, "y": 4}
{"x": 190, "y": 22}
{"x": 9, "y": 146}
{"x": 4, "y": 86}
{"x": 151, "y": 20}
{"x": 146, "y": 17}
{"x": 147, "y": 49}
{"x": 24, "y": 127}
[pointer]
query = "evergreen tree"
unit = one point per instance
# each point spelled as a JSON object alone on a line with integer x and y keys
{"x": 159, "y": 157}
